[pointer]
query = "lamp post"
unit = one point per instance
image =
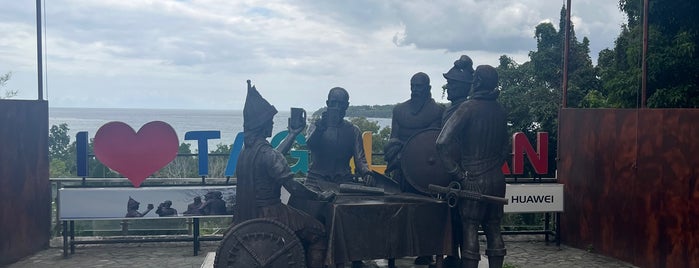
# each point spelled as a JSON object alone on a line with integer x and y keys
{"x": 39, "y": 58}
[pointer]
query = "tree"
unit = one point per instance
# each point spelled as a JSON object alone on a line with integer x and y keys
{"x": 379, "y": 137}
{"x": 95, "y": 168}
{"x": 59, "y": 141}
{"x": 60, "y": 164}
{"x": 548, "y": 62}
{"x": 3, "y": 81}
{"x": 183, "y": 166}
{"x": 218, "y": 160}
{"x": 531, "y": 92}
{"x": 672, "y": 59}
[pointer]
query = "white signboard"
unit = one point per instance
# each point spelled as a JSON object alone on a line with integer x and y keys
{"x": 111, "y": 203}
{"x": 544, "y": 197}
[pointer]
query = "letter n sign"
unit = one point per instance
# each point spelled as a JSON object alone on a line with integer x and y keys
{"x": 539, "y": 158}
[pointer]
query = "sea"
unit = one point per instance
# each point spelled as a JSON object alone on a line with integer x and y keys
{"x": 228, "y": 122}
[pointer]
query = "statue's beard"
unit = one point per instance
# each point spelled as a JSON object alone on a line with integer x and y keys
{"x": 418, "y": 100}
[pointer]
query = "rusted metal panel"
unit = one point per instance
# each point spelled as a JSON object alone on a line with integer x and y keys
{"x": 631, "y": 188}
{"x": 25, "y": 209}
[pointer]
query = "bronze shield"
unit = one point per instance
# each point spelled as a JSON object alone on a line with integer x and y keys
{"x": 420, "y": 163}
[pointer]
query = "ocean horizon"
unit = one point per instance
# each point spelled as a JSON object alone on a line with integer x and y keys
{"x": 229, "y": 122}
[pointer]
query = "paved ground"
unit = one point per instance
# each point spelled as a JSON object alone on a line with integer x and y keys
{"x": 523, "y": 252}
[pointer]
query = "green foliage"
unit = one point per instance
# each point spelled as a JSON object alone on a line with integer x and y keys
{"x": 379, "y": 136}
{"x": 509, "y": 265}
{"x": 183, "y": 166}
{"x": 672, "y": 60}
{"x": 59, "y": 141}
{"x": 9, "y": 93}
{"x": 218, "y": 159}
{"x": 95, "y": 168}
{"x": 58, "y": 168}
{"x": 184, "y": 148}
{"x": 523, "y": 221}
{"x": 61, "y": 152}
{"x": 222, "y": 149}
{"x": 373, "y": 111}
{"x": 594, "y": 99}
{"x": 63, "y": 155}
{"x": 365, "y": 125}
{"x": 531, "y": 92}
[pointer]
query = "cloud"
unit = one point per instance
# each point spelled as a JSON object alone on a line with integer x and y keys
{"x": 198, "y": 53}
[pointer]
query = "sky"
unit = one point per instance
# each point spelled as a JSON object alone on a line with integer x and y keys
{"x": 198, "y": 54}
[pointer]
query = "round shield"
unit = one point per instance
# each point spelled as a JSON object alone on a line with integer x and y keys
{"x": 260, "y": 243}
{"x": 420, "y": 163}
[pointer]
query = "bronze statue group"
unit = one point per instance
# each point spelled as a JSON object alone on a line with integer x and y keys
{"x": 213, "y": 205}
{"x": 472, "y": 146}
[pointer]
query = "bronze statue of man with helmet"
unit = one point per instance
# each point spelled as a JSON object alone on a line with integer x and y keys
{"x": 262, "y": 171}
{"x": 459, "y": 80}
{"x": 478, "y": 127}
{"x": 333, "y": 141}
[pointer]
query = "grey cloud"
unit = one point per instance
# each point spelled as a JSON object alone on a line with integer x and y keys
{"x": 364, "y": 14}
{"x": 499, "y": 26}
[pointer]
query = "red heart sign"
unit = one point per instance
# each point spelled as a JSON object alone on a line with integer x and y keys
{"x": 136, "y": 155}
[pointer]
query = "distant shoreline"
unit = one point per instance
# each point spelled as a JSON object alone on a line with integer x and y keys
{"x": 368, "y": 111}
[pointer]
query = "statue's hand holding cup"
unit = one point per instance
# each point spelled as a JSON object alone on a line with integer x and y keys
{"x": 297, "y": 120}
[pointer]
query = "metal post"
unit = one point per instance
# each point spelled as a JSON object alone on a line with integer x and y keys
{"x": 547, "y": 221}
{"x": 566, "y": 52}
{"x": 58, "y": 205}
{"x": 196, "y": 236}
{"x": 72, "y": 237}
{"x": 39, "y": 58}
{"x": 644, "y": 68}
{"x": 65, "y": 238}
{"x": 124, "y": 227}
{"x": 558, "y": 229}
{"x": 189, "y": 226}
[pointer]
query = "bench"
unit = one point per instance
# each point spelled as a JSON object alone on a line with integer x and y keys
{"x": 107, "y": 208}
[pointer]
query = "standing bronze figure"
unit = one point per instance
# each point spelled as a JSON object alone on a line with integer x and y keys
{"x": 193, "y": 208}
{"x": 213, "y": 204}
{"x": 418, "y": 113}
{"x": 262, "y": 171}
{"x": 333, "y": 141}
{"x": 479, "y": 128}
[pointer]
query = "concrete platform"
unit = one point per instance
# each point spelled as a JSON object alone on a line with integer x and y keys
{"x": 523, "y": 252}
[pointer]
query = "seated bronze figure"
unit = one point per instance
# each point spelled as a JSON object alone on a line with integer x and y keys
{"x": 132, "y": 209}
{"x": 333, "y": 141}
{"x": 262, "y": 171}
